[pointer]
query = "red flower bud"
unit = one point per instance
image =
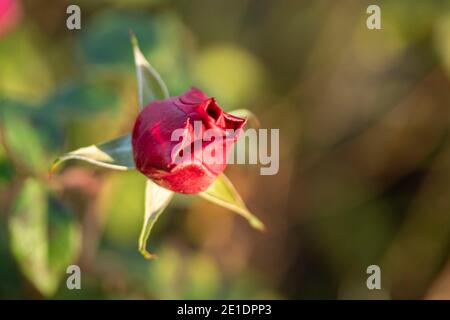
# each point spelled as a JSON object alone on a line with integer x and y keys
{"x": 182, "y": 142}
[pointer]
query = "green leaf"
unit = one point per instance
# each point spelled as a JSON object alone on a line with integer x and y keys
{"x": 115, "y": 154}
{"x": 64, "y": 239}
{"x": 247, "y": 114}
{"x": 23, "y": 141}
{"x": 41, "y": 259}
{"x": 150, "y": 84}
{"x": 27, "y": 227}
{"x": 223, "y": 193}
{"x": 156, "y": 200}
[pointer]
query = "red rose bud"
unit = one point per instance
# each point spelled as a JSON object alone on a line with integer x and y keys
{"x": 182, "y": 143}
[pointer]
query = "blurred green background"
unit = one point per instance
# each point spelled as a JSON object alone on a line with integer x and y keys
{"x": 364, "y": 149}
